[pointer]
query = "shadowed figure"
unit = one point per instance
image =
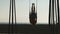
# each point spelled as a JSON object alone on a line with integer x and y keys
{"x": 33, "y": 15}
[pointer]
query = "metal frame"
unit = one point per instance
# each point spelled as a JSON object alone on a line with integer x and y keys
{"x": 13, "y": 12}
{"x": 51, "y": 7}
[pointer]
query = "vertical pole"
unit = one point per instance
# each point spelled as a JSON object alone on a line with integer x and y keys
{"x": 53, "y": 14}
{"x": 58, "y": 16}
{"x": 49, "y": 11}
{"x": 9, "y": 17}
{"x": 12, "y": 16}
{"x": 15, "y": 15}
{"x": 53, "y": 9}
{"x": 58, "y": 9}
{"x": 15, "y": 11}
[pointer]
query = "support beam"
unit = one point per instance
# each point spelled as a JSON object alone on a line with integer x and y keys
{"x": 15, "y": 15}
{"x": 10, "y": 16}
{"x": 49, "y": 11}
{"x": 58, "y": 9}
{"x": 53, "y": 10}
{"x": 13, "y": 12}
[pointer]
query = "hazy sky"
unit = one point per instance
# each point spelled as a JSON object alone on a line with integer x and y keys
{"x": 22, "y": 9}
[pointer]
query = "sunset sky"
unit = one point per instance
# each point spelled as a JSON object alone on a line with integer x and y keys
{"x": 22, "y": 10}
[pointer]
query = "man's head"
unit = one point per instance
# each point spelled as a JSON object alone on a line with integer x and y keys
{"x": 33, "y": 4}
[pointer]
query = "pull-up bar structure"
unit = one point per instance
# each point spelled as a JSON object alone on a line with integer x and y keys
{"x": 54, "y": 12}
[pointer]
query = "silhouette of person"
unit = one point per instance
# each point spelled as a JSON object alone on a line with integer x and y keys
{"x": 33, "y": 16}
